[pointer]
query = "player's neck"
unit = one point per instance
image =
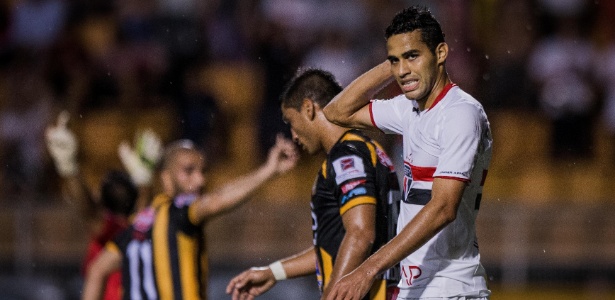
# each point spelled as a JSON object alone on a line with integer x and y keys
{"x": 438, "y": 87}
{"x": 331, "y": 135}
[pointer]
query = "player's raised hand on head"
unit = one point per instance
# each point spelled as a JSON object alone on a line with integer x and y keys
{"x": 141, "y": 160}
{"x": 62, "y": 146}
{"x": 251, "y": 283}
{"x": 283, "y": 156}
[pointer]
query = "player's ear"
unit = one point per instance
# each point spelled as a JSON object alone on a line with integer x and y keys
{"x": 442, "y": 52}
{"x": 308, "y": 109}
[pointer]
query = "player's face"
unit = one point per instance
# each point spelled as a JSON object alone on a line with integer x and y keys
{"x": 187, "y": 172}
{"x": 413, "y": 65}
{"x": 301, "y": 129}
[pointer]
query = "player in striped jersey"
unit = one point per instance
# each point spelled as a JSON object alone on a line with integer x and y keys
{"x": 447, "y": 148}
{"x": 161, "y": 254}
{"x": 120, "y": 193}
{"x": 354, "y": 198}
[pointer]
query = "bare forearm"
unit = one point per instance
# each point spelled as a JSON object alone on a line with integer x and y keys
{"x": 78, "y": 194}
{"x": 355, "y": 248}
{"x": 93, "y": 287}
{"x": 105, "y": 263}
{"x": 301, "y": 264}
{"x": 342, "y": 109}
{"x": 233, "y": 193}
{"x": 427, "y": 223}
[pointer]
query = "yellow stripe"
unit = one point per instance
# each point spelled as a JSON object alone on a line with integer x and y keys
{"x": 370, "y": 146}
{"x": 187, "y": 248}
{"x": 204, "y": 263}
{"x": 372, "y": 151}
{"x": 353, "y": 137}
{"x": 162, "y": 262}
{"x": 378, "y": 291}
{"x": 357, "y": 201}
{"x": 323, "y": 169}
{"x": 159, "y": 200}
{"x": 111, "y": 246}
{"x": 327, "y": 267}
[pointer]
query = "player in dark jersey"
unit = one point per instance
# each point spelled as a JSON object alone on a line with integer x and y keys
{"x": 355, "y": 198}
{"x": 120, "y": 193}
{"x": 161, "y": 254}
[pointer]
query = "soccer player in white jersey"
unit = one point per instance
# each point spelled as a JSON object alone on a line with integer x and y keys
{"x": 447, "y": 149}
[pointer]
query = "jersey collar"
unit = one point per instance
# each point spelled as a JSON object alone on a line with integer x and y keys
{"x": 160, "y": 199}
{"x": 443, "y": 93}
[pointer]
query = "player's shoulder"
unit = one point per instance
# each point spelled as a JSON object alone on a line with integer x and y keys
{"x": 353, "y": 141}
{"x": 462, "y": 105}
{"x": 357, "y": 145}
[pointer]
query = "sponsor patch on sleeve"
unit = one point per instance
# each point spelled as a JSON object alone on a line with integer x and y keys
{"x": 348, "y": 167}
{"x": 351, "y": 185}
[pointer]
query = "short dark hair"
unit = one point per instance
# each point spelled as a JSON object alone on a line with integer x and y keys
{"x": 118, "y": 193}
{"x": 417, "y": 18}
{"x": 316, "y": 84}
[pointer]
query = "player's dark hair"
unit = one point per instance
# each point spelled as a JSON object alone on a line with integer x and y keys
{"x": 417, "y": 18}
{"x": 317, "y": 85}
{"x": 118, "y": 193}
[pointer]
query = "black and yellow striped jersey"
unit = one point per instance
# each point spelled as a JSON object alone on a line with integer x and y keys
{"x": 163, "y": 252}
{"x": 356, "y": 171}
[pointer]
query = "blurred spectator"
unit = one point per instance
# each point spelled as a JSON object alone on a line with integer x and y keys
{"x": 464, "y": 55}
{"x": 201, "y": 118}
{"x": 279, "y": 60}
{"x": 561, "y": 67}
{"x": 27, "y": 108}
{"x": 512, "y": 34}
{"x": 37, "y": 23}
{"x": 4, "y": 26}
{"x": 68, "y": 71}
{"x": 337, "y": 55}
{"x": 604, "y": 35}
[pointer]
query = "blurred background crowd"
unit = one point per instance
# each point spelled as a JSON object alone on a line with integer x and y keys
{"x": 212, "y": 71}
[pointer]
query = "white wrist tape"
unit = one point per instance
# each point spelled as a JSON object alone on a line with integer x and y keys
{"x": 278, "y": 270}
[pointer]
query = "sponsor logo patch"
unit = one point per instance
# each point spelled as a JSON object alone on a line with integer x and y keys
{"x": 348, "y": 167}
{"x": 351, "y": 185}
{"x": 356, "y": 192}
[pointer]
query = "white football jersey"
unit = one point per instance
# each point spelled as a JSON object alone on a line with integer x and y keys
{"x": 451, "y": 139}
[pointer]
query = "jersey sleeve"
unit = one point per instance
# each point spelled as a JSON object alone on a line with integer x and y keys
{"x": 181, "y": 217}
{"x": 111, "y": 246}
{"x": 387, "y": 115}
{"x": 354, "y": 175}
{"x": 459, "y": 138}
{"x": 119, "y": 243}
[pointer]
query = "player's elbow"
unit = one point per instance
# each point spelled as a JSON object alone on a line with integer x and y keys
{"x": 362, "y": 238}
{"x": 334, "y": 116}
{"x": 448, "y": 214}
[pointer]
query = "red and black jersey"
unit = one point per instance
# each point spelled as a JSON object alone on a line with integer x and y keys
{"x": 163, "y": 255}
{"x": 113, "y": 224}
{"x": 356, "y": 171}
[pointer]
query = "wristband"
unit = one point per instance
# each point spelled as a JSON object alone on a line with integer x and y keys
{"x": 278, "y": 270}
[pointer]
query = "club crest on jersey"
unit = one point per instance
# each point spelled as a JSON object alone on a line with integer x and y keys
{"x": 348, "y": 167}
{"x": 347, "y": 164}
